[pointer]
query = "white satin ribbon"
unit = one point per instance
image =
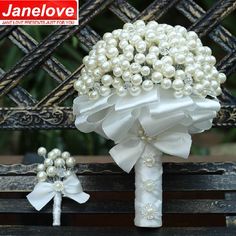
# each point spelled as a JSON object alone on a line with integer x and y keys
{"x": 44, "y": 192}
{"x": 174, "y": 142}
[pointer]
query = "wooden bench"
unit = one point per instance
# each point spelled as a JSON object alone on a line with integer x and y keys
{"x": 199, "y": 199}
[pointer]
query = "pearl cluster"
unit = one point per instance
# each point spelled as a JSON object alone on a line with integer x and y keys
{"x": 141, "y": 56}
{"x": 56, "y": 165}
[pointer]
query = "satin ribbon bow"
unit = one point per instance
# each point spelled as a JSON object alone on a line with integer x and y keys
{"x": 175, "y": 142}
{"x": 44, "y": 192}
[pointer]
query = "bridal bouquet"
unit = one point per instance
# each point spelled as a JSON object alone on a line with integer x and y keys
{"x": 148, "y": 87}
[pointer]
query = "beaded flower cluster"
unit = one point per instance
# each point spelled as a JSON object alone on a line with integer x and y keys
{"x": 57, "y": 165}
{"x": 140, "y": 56}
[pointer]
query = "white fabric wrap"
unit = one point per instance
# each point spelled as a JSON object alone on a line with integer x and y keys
{"x": 57, "y": 209}
{"x": 165, "y": 120}
{"x": 44, "y": 192}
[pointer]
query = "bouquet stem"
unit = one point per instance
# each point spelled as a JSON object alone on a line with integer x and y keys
{"x": 148, "y": 189}
{"x": 57, "y": 209}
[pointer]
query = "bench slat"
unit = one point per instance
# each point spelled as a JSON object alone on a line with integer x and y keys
{"x": 108, "y": 168}
{"x": 91, "y": 207}
{"x": 126, "y": 183}
{"x": 115, "y": 231}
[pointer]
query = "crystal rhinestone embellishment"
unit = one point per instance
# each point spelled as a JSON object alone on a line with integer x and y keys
{"x": 188, "y": 80}
{"x": 58, "y": 186}
{"x": 149, "y": 211}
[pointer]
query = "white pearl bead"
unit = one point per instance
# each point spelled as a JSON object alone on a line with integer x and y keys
{"x": 125, "y": 65}
{"x": 124, "y": 35}
{"x": 91, "y": 64}
{"x": 123, "y": 43}
{"x": 198, "y": 75}
{"x": 40, "y": 167}
{"x": 112, "y": 42}
{"x": 157, "y": 65}
{"x": 51, "y": 171}
{"x": 189, "y": 60}
{"x": 178, "y": 94}
{"x": 121, "y": 91}
{"x": 192, "y": 44}
{"x": 106, "y": 66}
{"x": 151, "y": 58}
{"x": 129, "y": 56}
{"x": 59, "y": 162}
{"x": 117, "y": 71}
{"x": 152, "y": 25}
{"x": 93, "y": 95}
{"x": 222, "y": 78}
{"x": 167, "y": 60}
{"x": 180, "y": 58}
{"x": 178, "y": 84}
{"x": 48, "y": 162}
{"x": 135, "y": 68}
{"x": 155, "y": 50}
{"x": 126, "y": 76}
{"x": 78, "y": 84}
{"x": 180, "y": 74}
{"x": 141, "y": 47}
{"x": 198, "y": 88}
{"x": 218, "y": 91}
{"x": 136, "y": 79}
{"x": 116, "y": 33}
{"x": 116, "y": 82}
{"x": 150, "y": 36}
{"x": 166, "y": 83}
{"x": 139, "y": 58}
{"x": 104, "y": 91}
{"x": 107, "y": 80}
{"x": 98, "y": 73}
{"x": 58, "y": 186}
{"x": 70, "y": 162}
{"x": 188, "y": 90}
{"x": 65, "y": 155}
{"x": 139, "y": 24}
{"x": 89, "y": 83}
{"x": 107, "y": 36}
{"x": 115, "y": 61}
{"x": 157, "y": 77}
{"x": 214, "y": 84}
{"x": 52, "y": 155}
{"x": 168, "y": 71}
{"x": 210, "y": 60}
{"x": 145, "y": 71}
{"x": 56, "y": 151}
{"x": 42, "y": 151}
{"x": 192, "y": 35}
{"x": 112, "y": 52}
{"x": 207, "y": 68}
{"x": 42, "y": 176}
{"x": 147, "y": 85}
{"x": 134, "y": 91}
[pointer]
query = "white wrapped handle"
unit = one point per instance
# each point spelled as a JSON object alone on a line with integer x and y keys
{"x": 148, "y": 190}
{"x": 57, "y": 209}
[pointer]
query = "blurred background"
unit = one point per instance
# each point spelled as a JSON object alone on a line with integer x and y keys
{"x": 70, "y": 54}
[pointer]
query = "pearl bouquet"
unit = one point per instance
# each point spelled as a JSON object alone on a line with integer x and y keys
{"x": 56, "y": 178}
{"x": 148, "y": 87}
